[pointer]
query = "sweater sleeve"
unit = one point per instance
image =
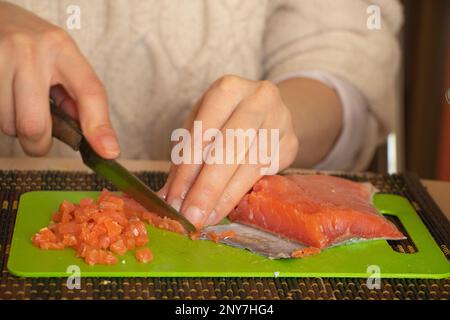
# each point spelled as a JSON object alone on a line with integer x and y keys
{"x": 332, "y": 36}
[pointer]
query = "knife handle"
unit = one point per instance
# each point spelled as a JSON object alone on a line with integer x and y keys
{"x": 64, "y": 128}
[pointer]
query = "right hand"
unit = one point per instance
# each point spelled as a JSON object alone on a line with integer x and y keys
{"x": 38, "y": 59}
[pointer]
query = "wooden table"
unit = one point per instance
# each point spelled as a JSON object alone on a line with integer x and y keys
{"x": 439, "y": 190}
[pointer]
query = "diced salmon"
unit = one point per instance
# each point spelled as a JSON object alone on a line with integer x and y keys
{"x": 57, "y": 216}
{"x": 213, "y": 236}
{"x": 104, "y": 241}
{"x": 227, "y": 234}
{"x": 44, "y": 235}
{"x": 163, "y": 223}
{"x": 113, "y": 228}
{"x": 119, "y": 247}
{"x": 69, "y": 240}
{"x": 91, "y": 255}
{"x": 66, "y": 207}
{"x": 130, "y": 242}
{"x": 69, "y": 228}
{"x": 194, "y": 235}
{"x": 217, "y": 236}
{"x": 106, "y": 257}
{"x": 86, "y": 202}
{"x": 97, "y": 230}
{"x": 52, "y": 245}
{"x": 144, "y": 255}
{"x": 141, "y": 240}
{"x": 304, "y": 252}
{"x": 66, "y": 216}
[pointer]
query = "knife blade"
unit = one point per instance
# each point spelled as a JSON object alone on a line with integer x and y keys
{"x": 68, "y": 131}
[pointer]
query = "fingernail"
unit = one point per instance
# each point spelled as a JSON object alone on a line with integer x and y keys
{"x": 194, "y": 215}
{"x": 176, "y": 204}
{"x": 161, "y": 194}
{"x": 212, "y": 218}
{"x": 110, "y": 145}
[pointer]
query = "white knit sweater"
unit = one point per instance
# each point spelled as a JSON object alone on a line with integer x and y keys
{"x": 156, "y": 57}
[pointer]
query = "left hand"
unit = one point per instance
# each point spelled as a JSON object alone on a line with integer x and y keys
{"x": 206, "y": 193}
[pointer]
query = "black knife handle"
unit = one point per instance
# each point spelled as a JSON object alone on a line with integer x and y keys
{"x": 64, "y": 128}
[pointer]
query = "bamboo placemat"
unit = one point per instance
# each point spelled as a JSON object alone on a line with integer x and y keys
{"x": 13, "y": 183}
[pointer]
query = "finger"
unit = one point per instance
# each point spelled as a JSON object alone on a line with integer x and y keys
{"x": 83, "y": 85}
{"x": 33, "y": 122}
{"x": 63, "y": 100}
{"x": 244, "y": 179}
{"x": 213, "y": 177}
{"x": 165, "y": 188}
{"x": 187, "y": 124}
{"x": 216, "y": 107}
{"x": 7, "y": 113}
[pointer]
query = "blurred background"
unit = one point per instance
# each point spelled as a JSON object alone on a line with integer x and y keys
{"x": 422, "y": 139}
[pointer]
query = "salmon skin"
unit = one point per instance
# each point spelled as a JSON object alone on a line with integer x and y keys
{"x": 254, "y": 240}
{"x": 315, "y": 210}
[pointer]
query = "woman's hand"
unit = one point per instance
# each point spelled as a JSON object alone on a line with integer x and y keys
{"x": 38, "y": 59}
{"x": 206, "y": 193}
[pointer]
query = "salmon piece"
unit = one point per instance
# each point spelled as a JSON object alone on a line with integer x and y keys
{"x": 46, "y": 239}
{"x": 304, "y": 252}
{"x": 86, "y": 202}
{"x": 227, "y": 234}
{"x": 119, "y": 247}
{"x": 144, "y": 255}
{"x": 118, "y": 217}
{"x": 69, "y": 228}
{"x": 213, "y": 236}
{"x": 46, "y": 235}
{"x": 104, "y": 241}
{"x": 217, "y": 236}
{"x": 315, "y": 210}
{"x": 163, "y": 222}
{"x": 69, "y": 240}
{"x": 91, "y": 255}
{"x": 113, "y": 228}
{"x": 130, "y": 243}
{"x": 52, "y": 246}
{"x": 194, "y": 235}
{"x": 81, "y": 216}
{"x": 81, "y": 249}
{"x": 66, "y": 216}
{"x": 66, "y": 207}
{"x": 57, "y": 216}
{"x": 106, "y": 257}
{"x": 141, "y": 240}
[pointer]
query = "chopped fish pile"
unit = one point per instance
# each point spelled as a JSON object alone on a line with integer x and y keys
{"x": 103, "y": 230}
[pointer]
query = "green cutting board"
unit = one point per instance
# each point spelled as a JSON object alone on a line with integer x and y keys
{"x": 177, "y": 256}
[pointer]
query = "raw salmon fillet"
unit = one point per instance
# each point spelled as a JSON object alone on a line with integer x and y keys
{"x": 315, "y": 210}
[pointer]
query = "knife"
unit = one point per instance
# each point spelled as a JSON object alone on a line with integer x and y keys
{"x": 67, "y": 130}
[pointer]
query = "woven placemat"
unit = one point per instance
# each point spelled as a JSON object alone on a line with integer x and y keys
{"x": 13, "y": 183}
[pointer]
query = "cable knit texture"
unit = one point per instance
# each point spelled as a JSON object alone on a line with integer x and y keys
{"x": 157, "y": 57}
